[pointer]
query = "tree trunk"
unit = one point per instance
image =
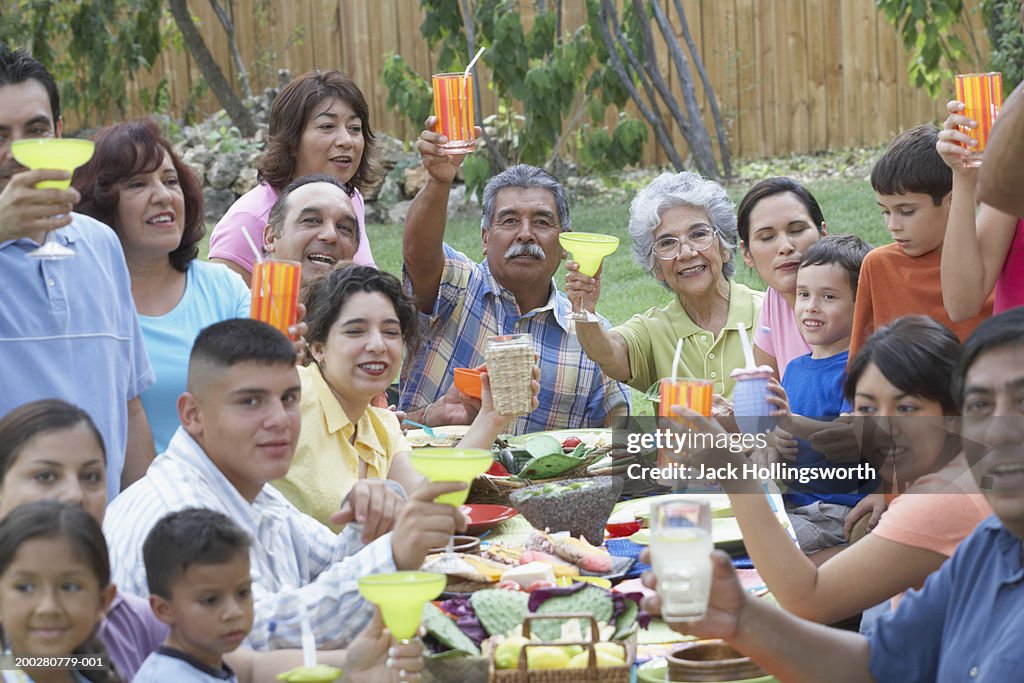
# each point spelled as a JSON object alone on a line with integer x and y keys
{"x": 211, "y": 71}
{"x": 236, "y": 56}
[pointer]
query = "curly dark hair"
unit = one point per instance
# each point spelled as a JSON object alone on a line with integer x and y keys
{"x": 127, "y": 149}
{"x": 291, "y": 111}
{"x": 327, "y": 296}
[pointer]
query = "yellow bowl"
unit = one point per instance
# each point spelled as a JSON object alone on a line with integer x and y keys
{"x": 60, "y": 154}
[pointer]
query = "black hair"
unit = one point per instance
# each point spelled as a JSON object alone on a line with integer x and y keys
{"x": 1003, "y": 330}
{"x": 30, "y": 420}
{"x": 17, "y": 66}
{"x": 279, "y": 210}
{"x": 845, "y": 251}
{"x": 189, "y": 537}
{"x": 768, "y": 188}
{"x": 910, "y": 164}
{"x": 51, "y": 519}
{"x": 328, "y": 295}
{"x": 241, "y": 340}
{"x": 915, "y": 354}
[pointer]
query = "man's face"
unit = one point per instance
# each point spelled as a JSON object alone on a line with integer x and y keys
{"x": 993, "y": 431}
{"x": 522, "y": 243}
{"x": 247, "y": 419}
{"x": 24, "y": 113}
{"x": 320, "y": 228}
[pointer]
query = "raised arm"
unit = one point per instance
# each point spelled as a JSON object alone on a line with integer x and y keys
{"x": 423, "y": 238}
{"x": 791, "y": 648}
{"x": 606, "y": 348}
{"x": 1002, "y": 175}
{"x": 976, "y": 241}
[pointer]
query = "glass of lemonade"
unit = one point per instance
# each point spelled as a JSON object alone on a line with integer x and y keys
{"x": 681, "y": 548}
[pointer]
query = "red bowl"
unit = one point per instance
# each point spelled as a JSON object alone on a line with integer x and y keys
{"x": 623, "y": 529}
{"x": 485, "y": 517}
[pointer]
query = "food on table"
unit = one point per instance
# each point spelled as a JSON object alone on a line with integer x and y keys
{"x": 446, "y": 631}
{"x": 526, "y": 575}
{"x": 473, "y": 567}
{"x": 574, "y": 550}
{"x": 321, "y": 673}
{"x": 579, "y": 506}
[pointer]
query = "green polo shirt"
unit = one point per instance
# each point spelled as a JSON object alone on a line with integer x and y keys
{"x": 651, "y": 339}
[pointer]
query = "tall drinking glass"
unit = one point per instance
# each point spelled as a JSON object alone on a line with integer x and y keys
{"x": 275, "y": 292}
{"x": 681, "y": 548}
{"x": 982, "y": 95}
{"x": 453, "y": 107}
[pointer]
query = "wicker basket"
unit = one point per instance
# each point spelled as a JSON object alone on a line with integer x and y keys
{"x": 592, "y": 674}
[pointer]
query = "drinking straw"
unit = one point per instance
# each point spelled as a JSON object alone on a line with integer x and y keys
{"x": 748, "y": 350}
{"x": 465, "y": 74}
{"x": 252, "y": 245}
{"x": 308, "y": 643}
{"x": 675, "y": 359}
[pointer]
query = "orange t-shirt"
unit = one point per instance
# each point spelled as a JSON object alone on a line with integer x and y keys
{"x": 893, "y": 284}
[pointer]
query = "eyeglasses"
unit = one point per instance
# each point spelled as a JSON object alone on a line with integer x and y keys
{"x": 669, "y": 247}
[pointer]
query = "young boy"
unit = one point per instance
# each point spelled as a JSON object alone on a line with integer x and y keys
{"x": 826, "y": 292}
{"x": 197, "y": 566}
{"x": 913, "y": 187}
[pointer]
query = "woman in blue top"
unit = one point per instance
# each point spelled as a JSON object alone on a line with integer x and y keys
{"x": 136, "y": 184}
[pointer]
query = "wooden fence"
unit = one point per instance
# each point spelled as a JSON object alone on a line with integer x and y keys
{"x": 790, "y": 75}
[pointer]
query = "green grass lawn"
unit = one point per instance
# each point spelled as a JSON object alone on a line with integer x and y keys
{"x": 848, "y": 204}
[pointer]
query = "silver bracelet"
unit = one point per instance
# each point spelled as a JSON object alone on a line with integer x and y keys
{"x": 425, "y": 411}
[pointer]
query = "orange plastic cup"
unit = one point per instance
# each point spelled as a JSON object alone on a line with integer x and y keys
{"x": 983, "y": 96}
{"x": 275, "y": 292}
{"x": 453, "y": 107}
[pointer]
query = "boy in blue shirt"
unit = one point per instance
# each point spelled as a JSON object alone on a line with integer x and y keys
{"x": 826, "y": 289}
{"x": 197, "y": 566}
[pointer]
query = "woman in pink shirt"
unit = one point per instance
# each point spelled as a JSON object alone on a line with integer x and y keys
{"x": 778, "y": 220}
{"x": 319, "y": 123}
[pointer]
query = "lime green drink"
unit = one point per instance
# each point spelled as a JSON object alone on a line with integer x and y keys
{"x": 400, "y": 597}
{"x": 588, "y": 249}
{"x": 58, "y": 154}
{"x": 451, "y": 464}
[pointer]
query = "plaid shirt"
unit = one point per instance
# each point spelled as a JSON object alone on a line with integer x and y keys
{"x": 472, "y": 306}
{"x": 298, "y": 565}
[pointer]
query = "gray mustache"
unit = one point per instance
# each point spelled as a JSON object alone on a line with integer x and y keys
{"x": 531, "y": 249}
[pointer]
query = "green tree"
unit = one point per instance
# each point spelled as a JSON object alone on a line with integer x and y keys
{"x": 1006, "y": 40}
{"x": 92, "y": 47}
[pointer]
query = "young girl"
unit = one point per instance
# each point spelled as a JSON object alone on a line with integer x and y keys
{"x": 778, "y": 219}
{"x": 54, "y": 589}
{"x": 360, "y": 323}
{"x": 901, "y": 377}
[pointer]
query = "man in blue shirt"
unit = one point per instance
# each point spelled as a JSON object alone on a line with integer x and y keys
{"x": 67, "y": 327}
{"x": 965, "y": 624}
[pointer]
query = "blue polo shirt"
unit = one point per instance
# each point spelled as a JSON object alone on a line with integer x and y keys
{"x": 966, "y": 624}
{"x": 68, "y": 330}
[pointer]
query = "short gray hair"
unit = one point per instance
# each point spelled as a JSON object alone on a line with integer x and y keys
{"x": 526, "y": 177}
{"x": 670, "y": 190}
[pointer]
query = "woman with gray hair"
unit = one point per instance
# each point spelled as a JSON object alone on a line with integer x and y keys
{"x": 683, "y": 229}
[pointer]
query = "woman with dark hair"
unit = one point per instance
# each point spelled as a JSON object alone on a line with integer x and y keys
{"x": 778, "y": 220}
{"x": 360, "y": 323}
{"x": 900, "y": 388}
{"x": 136, "y": 184}
{"x": 319, "y": 123}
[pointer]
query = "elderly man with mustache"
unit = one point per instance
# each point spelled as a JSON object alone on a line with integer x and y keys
{"x": 512, "y": 291}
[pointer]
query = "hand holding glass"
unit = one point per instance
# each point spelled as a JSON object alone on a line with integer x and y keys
{"x": 982, "y": 95}
{"x": 681, "y": 548}
{"x": 588, "y": 249}
{"x": 59, "y": 154}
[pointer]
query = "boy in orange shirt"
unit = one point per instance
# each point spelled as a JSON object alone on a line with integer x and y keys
{"x": 913, "y": 188}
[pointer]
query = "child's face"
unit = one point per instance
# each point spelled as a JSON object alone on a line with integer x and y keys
{"x": 913, "y": 220}
{"x": 65, "y": 465}
{"x": 50, "y": 600}
{"x": 910, "y": 436}
{"x": 824, "y": 308}
{"x": 363, "y": 351}
{"x": 210, "y": 610}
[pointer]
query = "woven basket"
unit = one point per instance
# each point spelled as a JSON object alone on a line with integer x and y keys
{"x": 592, "y": 674}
